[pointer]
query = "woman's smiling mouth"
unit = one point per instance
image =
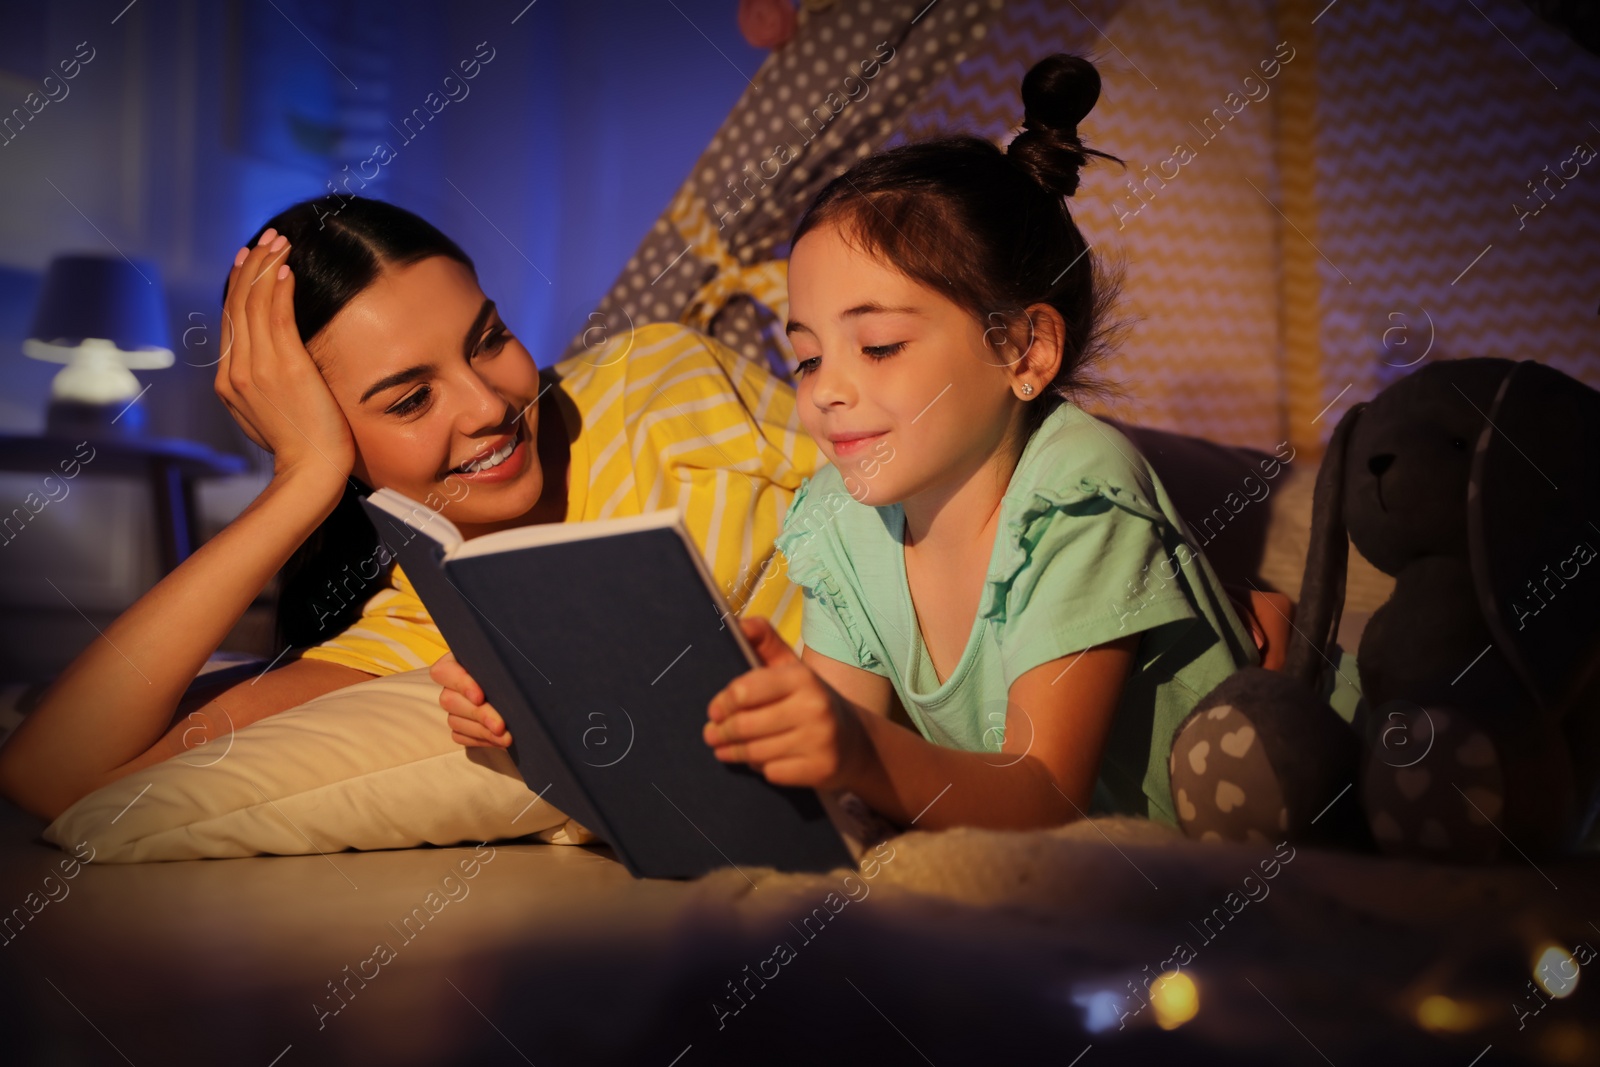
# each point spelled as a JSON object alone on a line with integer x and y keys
{"x": 505, "y": 461}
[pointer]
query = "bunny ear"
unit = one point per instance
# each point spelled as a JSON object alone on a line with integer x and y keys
{"x": 1322, "y": 587}
{"x": 1533, "y": 528}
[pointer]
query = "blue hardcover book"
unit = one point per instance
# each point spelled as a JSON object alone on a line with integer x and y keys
{"x": 601, "y": 643}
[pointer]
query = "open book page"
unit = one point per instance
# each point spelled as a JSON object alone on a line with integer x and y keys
{"x": 435, "y": 525}
{"x": 419, "y": 517}
{"x": 555, "y": 533}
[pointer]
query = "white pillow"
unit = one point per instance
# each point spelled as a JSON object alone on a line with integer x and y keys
{"x": 369, "y": 766}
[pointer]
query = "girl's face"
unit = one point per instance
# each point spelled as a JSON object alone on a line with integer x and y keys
{"x": 430, "y": 381}
{"x": 897, "y": 383}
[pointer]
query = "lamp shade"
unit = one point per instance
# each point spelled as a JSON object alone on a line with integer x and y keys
{"x": 115, "y": 299}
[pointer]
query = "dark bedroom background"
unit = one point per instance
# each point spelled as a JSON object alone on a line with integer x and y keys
{"x": 189, "y": 123}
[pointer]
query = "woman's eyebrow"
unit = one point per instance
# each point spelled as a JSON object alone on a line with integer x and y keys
{"x": 410, "y": 374}
{"x": 400, "y": 377}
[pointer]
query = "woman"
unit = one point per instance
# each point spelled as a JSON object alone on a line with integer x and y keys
{"x": 361, "y": 353}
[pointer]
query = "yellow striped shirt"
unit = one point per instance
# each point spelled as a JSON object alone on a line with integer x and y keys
{"x": 671, "y": 418}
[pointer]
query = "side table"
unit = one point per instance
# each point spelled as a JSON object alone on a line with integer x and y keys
{"x": 170, "y": 467}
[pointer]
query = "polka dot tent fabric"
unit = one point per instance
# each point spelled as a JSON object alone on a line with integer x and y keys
{"x": 835, "y": 92}
{"x": 1316, "y": 196}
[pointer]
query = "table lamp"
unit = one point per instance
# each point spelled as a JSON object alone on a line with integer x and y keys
{"x": 103, "y": 317}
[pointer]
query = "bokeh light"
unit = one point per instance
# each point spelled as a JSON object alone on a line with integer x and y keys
{"x": 1175, "y": 998}
{"x": 1443, "y": 1014}
{"x": 1555, "y": 970}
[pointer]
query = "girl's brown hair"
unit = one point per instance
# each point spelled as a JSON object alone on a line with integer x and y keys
{"x": 989, "y": 228}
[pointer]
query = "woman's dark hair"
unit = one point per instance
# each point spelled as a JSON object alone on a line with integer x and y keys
{"x": 989, "y": 228}
{"x": 338, "y": 246}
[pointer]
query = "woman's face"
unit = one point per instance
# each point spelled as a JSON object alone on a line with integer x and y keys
{"x": 440, "y": 397}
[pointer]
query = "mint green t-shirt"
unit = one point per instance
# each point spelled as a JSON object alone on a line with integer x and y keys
{"x": 1089, "y": 548}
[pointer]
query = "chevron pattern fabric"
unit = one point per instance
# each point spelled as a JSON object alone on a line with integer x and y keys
{"x": 1317, "y": 196}
{"x": 1436, "y": 116}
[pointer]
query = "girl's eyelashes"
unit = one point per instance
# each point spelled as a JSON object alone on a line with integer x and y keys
{"x": 875, "y": 352}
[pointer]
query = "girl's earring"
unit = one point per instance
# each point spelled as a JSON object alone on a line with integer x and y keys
{"x": 1027, "y": 388}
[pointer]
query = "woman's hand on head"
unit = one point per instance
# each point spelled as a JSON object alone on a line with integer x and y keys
{"x": 784, "y": 720}
{"x": 473, "y": 722}
{"x": 266, "y": 377}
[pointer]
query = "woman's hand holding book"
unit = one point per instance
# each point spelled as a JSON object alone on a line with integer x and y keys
{"x": 473, "y": 721}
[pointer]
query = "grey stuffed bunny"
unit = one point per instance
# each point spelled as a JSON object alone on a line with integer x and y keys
{"x": 1475, "y": 483}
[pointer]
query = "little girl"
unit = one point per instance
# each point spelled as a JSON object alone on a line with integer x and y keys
{"x": 982, "y": 556}
{"x": 1004, "y": 620}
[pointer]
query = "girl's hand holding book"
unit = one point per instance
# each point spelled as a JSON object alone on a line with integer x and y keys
{"x": 473, "y": 722}
{"x": 785, "y": 721}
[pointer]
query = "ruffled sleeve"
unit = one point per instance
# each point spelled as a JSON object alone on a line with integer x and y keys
{"x": 1081, "y": 566}
{"x": 811, "y": 545}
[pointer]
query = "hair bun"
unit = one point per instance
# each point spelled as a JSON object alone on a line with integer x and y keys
{"x": 1060, "y": 91}
{"x": 1057, "y": 94}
